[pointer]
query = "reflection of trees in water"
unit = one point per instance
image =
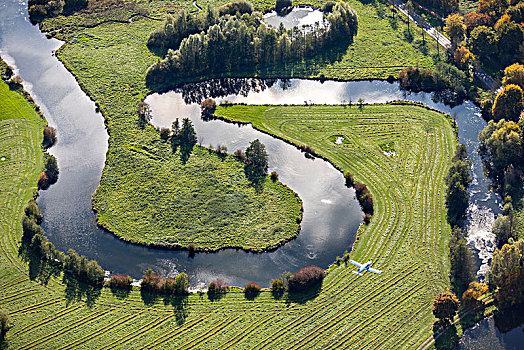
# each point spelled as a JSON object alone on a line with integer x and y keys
{"x": 197, "y": 92}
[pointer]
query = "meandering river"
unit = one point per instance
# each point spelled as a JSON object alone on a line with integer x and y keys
{"x": 331, "y": 215}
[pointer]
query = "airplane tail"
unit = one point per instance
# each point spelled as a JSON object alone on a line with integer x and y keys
{"x": 357, "y": 273}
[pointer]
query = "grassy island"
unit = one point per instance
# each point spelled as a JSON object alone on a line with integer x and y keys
{"x": 207, "y": 202}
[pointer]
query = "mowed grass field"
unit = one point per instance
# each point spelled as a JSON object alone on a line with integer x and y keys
{"x": 407, "y": 238}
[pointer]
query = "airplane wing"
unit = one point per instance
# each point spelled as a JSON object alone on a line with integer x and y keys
{"x": 355, "y": 263}
{"x": 374, "y": 270}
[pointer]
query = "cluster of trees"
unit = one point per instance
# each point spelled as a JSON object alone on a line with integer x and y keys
{"x": 363, "y": 196}
{"x": 34, "y": 241}
{"x": 462, "y": 269}
{"x": 471, "y": 298}
{"x": 50, "y": 174}
{"x": 457, "y": 182}
{"x": 40, "y": 9}
{"x": 238, "y": 40}
{"x": 153, "y": 282}
{"x": 444, "y": 77}
{"x": 494, "y": 30}
{"x": 42, "y": 253}
{"x": 83, "y": 269}
{"x": 506, "y": 273}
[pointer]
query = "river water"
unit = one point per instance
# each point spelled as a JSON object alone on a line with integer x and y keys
{"x": 331, "y": 215}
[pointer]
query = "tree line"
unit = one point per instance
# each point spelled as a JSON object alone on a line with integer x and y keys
{"x": 228, "y": 42}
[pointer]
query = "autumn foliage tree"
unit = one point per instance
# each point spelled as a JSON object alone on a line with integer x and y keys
{"x": 506, "y": 274}
{"x": 514, "y": 74}
{"x": 471, "y": 297}
{"x": 305, "y": 278}
{"x": 508, "y": 103}
{"x": 445, "y": 306}
{"x": 455, "y": 28}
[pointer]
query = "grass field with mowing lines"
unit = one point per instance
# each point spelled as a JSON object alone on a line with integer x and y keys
{"x": 407, "y": 237}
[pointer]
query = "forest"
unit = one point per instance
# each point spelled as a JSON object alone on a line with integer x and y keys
{"x": 234, "y": 36}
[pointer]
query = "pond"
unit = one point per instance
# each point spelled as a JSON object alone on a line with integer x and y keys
{"x": 298, "y": 17}
{"x": 331, "y": 215}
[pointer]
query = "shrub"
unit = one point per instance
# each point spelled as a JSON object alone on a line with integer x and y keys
{"x": 43, "y": 181}
{"x": 367, "y": 218}
{"x": 274, "y": 176}
{"x": 121, "y": 281}
{"x": 364, "y": 197}
{"x": 208, "y": 107}
{"x": 15, "y": 82}
{"x": 169, "y": 286}
{"x": 305, "y": 278}
{"x": 252, "y": 288}
{"x": 49, "y": 137}
{"x": 152, "y": 281}
{"x": 277, "y": 285}
{"x": 471, "y": 296}
{"x": 217, "y": 286}
{"x": 240, "y": 155}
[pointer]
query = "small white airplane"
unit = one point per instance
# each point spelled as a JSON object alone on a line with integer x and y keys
{"x": 364, "y": 267}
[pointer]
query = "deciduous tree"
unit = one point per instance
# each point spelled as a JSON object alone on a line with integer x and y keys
{"x": 508, "y": 103}
{"x": 455, "y": 28}
{"x": 445, "y": 306}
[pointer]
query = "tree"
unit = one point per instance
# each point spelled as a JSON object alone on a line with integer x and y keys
{"x": 509, "y": 36}
{"x": 144, "y": 112}
{"x": 51, "y": 169}
{"x": 445, "y": 306}
{"x": 505, "y": 272}
{"x": 455, "y": 28}
{"x": 282, "y": 4}
{"x": 471, "y": 297}
{"x": 182, "y": 283}
{"x": 32, "y": 211}
{"x": 508, "y": 103}
{"x": 208, "y": 107}
{"x": 462, "y": 270}
{"x": 95, "y": 274}
{"x": 483, "y": 41}
{"x": 502, "y": 228}
{"x": 463, "y": 57}
{"x": 409, "y": 9}
{"x": 4, "y": 324}
{"x": 514, "y": 74}
{"x": 187, "y": 134}
{"x": 360, "y": 102}
{"x": 256, "y": 156}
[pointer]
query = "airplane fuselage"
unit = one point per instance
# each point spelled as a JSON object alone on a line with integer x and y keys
{"x": 365, "y": 267}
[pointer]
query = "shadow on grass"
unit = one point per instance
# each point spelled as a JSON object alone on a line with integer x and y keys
{"x": 509, "y": 318}
{"x": 251, "y": 295}
{"x": 448, "y": 337}
{"x": 149, "y": 297}
{"x": 180, "y": 307}
{"x": 40, "y": 269}
{"x": 120, "y": 292}
{"x": 255, "y": 177}
{"x": 303, "y": 297}
{"x": 76, "y": 290}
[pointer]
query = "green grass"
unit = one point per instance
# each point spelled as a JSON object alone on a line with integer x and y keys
{"x": 407, "y": 237}
{"x": 208, "y": 202}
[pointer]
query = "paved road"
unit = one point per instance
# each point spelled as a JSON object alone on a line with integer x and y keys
{"x": 484, "y": 77}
